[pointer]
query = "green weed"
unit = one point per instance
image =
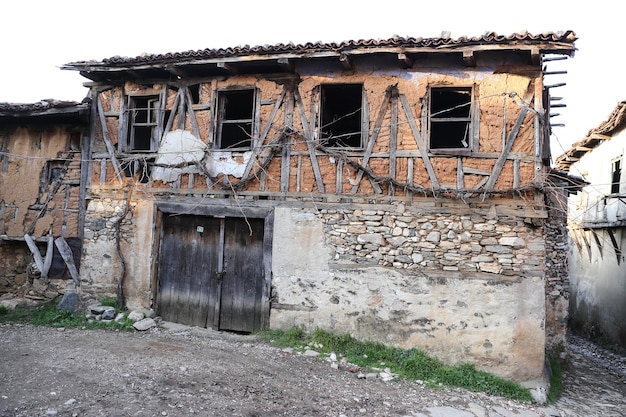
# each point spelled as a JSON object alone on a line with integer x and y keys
{"x": 411, "y": 364}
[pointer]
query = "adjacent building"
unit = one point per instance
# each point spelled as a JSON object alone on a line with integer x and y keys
{"x": 597, "y": 226}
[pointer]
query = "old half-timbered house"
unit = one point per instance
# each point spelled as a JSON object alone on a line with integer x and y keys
{"x": 41, "y": 197}
{"x": 391, "y": 189}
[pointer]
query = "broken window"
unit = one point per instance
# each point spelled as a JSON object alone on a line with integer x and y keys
{"x": 340, "y": 116}
{"x": 450, "y": 121}
{"x": 54, "y": 171}
{"x": 616, "y": 175}
{"x": 235, "y": 118}
{"x": 143, "y": 124}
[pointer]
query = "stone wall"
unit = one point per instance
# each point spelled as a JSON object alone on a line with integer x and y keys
{"x": 557, "y": 272}
{"x": 465, "y": 286}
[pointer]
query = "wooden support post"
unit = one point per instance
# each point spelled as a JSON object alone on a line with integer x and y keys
{"x": 393, "y": 139}
{"x": 286, "y": 154}
{"x": 35, "y": 251}
{"x": 68, "y": 257}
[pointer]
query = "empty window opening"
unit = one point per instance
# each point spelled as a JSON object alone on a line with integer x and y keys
{"x": 341, "y": 110}
{"x": 616, "y": 175}
{"x": 450, "y": 118}
{"x": 54, "y": 171}
{"x": 144, "y": 120}
{"x": 234, "y": 119}
{"x": 194, "y": 91}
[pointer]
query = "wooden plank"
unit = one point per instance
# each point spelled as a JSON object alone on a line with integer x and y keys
{"x": 308, "y": 133}
{"x": 516, "y": 173}
{"x": 497, "y": 169}
{"x": 68, "y": 257}
{"x": 170, "y": 121}
{"x": 299, "y": 174}
{"x": 85, "y": 181}
{"x": 409, "y": 175}
{"x": 47, "y": 263}
{"x": 460, "y": 175}
{"x": 103, "y": 171}
{"x": 107, "y": 141}
{"x": 421, "y": 145}
{"x": 474, "y": 171}
{"x": 372, "y": 140}
{"x": 35, "y": 251}
{"x": 339, "y": 177}
{"x": 182, "y": 92}
{"x": 393, "y": 139}
{"x": 286, "y": 151}
{"x": 192, "y": 115}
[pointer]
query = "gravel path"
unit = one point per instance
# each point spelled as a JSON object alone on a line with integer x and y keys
{"x": 182, "y": 371}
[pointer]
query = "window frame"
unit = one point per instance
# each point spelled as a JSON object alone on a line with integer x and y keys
{"x": 220, "y": 118}
{"x": 152, "y": 121}
{"x": 470, "y": 120}
{"x": 616, "y": 175}
{"x": 321, "y": 122}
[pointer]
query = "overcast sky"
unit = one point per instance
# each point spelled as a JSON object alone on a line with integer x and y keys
{"x": 41, "y": 35}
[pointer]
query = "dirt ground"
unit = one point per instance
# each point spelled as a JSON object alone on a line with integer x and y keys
{"x": 182, "y": 371}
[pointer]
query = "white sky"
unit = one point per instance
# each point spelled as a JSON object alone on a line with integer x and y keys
{"x": 41, "y": 35}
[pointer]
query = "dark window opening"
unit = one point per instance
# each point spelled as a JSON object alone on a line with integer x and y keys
{"x": 235, "y": 118}
{"x": 55, "y": 169}
{"x": 341, "y": 110}
{"x": 616, "y": 176}
{"x": 143, "y": 124}
{"x": 194, "y": 91}
{"x": 450, "y": 118}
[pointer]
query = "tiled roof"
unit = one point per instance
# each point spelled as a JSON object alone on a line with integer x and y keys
{"x": 48, "y": 109}
{"x": 615, "y": 123}
{"x": 46, "y": 104}
{"x": 567, "y": 38}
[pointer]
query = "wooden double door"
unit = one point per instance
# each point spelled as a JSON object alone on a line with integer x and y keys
{"x": 211, "y": 273}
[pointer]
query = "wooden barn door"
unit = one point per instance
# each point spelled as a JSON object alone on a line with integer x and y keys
{"x": 211, "y": 272}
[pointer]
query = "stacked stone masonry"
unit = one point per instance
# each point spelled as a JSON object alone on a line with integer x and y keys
{"x": 466, "y": 243}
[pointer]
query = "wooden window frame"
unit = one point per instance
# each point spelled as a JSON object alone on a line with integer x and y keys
{"x": 357, "y": 132}
{"x": 437, "y": 118}
{"x": 152, "y": 119}
{"x": 222, "y": 120}
{"x": 616, "y": 175}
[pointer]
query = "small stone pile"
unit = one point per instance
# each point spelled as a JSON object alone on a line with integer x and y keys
{"x": 142, "y": 319}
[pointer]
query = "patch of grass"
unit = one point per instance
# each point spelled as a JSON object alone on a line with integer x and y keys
{"x": 48, "y": 315}
{"x": 411, "y": 364}
{"x": 556, "y": 379}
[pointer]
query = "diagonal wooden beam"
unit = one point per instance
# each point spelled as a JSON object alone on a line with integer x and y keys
{"x": 107, "y": 139}
{"x": 257, "y": 142}
{"x": 421, "y": 144}
{"x": 306, "y": 126}
{"x": 497, "y": 168}
{"x": 372, "y": 140}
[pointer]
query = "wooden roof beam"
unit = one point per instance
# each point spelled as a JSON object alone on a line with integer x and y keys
{"x": 227, "y": 67}
{"x": 469, "y": 59}
{"x": 345, "y": 61}
{"x": 286, "y": 64}
{"x": 406, "y": 61}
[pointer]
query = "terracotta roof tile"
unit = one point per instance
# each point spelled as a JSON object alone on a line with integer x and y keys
{"x": 490, "y": 38}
